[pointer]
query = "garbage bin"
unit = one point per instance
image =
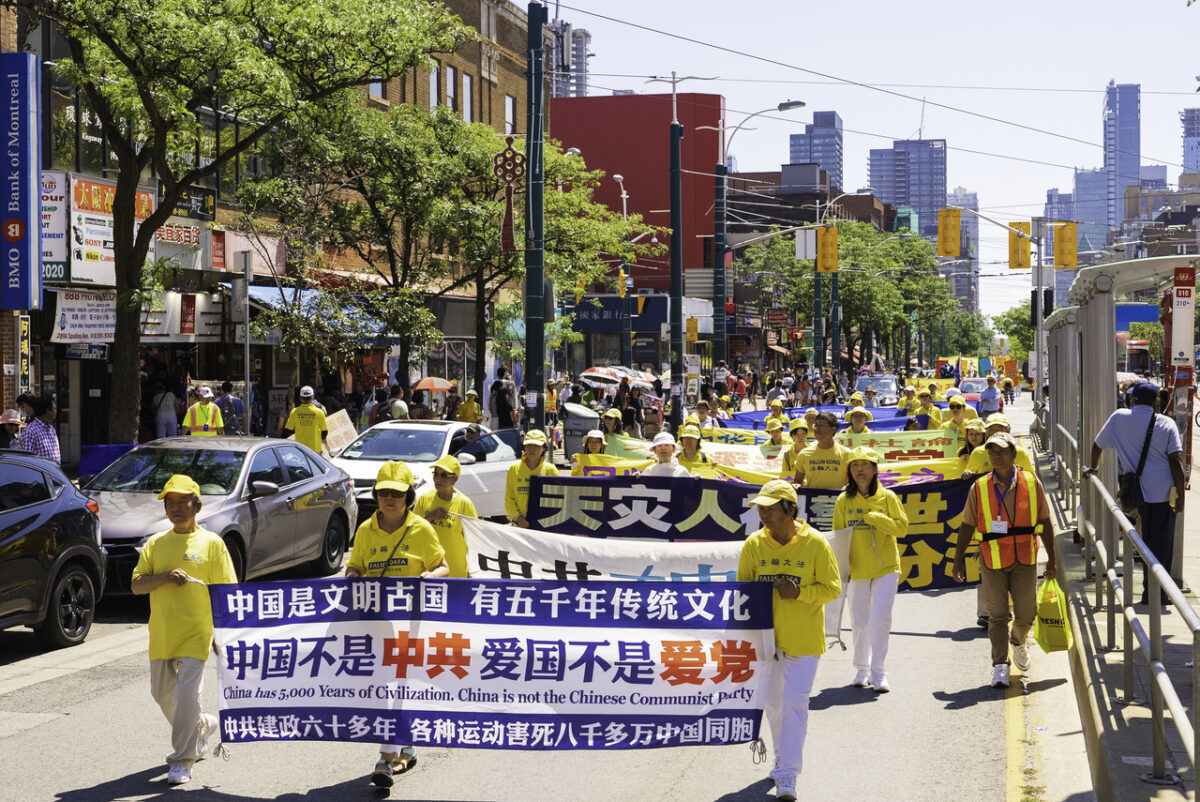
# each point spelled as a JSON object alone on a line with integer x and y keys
{"x": 577, "y": 421}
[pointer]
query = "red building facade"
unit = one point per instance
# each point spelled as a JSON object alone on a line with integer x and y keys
{"x": 629, "y": 135}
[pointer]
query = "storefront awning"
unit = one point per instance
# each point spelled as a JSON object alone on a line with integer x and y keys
{"x": 779, "y": 349}
{"x": 308, "y": 299}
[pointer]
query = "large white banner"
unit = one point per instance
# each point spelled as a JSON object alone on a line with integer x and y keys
{"x": 493, "y": 664}
{"x": 85, "y": 316}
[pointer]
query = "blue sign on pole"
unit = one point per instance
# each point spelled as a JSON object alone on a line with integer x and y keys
{"x": 21, "y": 220}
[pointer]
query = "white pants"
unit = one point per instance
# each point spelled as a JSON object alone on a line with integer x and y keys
{"x": 175, "y": 684}
{"x": 871, "y": 619}
{"x": 786, "y": 709}
{"x": 166, "y": 427}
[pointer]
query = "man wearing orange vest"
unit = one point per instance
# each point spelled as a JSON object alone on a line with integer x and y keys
{"x": 1006, "y": 512}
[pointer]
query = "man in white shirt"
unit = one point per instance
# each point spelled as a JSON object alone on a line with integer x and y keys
{"x": 1125, "y": 430}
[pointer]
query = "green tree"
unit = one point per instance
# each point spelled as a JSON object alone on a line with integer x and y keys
{"x": 1016, "y": 324}
{"x": 1151, "y": 333}
{"x": 156, "y": 73}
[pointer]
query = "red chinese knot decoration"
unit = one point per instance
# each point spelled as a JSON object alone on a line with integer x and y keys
{"x": 509, "y": 166}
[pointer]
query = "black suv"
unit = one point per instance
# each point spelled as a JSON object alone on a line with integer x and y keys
{"x": 51, "y": 562}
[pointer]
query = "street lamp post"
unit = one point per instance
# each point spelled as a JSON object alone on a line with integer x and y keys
{"x": 624, "y": 292}
{"x": 835, "y": 311}
{"x": 720, "y": 333}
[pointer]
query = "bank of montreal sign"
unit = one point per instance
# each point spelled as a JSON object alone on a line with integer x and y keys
{"x": 21, "y": 219}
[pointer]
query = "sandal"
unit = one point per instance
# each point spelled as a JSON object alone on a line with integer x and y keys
{"x": 382, "y": 775}
{"x": 405, "y": 760}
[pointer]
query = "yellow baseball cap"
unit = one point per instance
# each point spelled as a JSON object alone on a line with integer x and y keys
{"x": 997, "y": 420}
{"x": 725, "y": 398}
{"x": 692, "y": 420}
{"x": 858, "y": 411}
{"x": 797, "y": 423}
{"x": 777, "y": 403}
{"x": 956, "y": 401}
{"x": 923, "y": 392}
{"x": 394, "y": 475}
{"x": 974, "y": 424}
{"x": 690, "y": 431}
{"x": 773, "y": 492}
{"x": 773, "y": 424}
{"x": 449, "y": 464}
{"x": 613, "y": 413}
{"x": 534, "y": 437}
{"x": 863, "y": 453}
{"x": 180, "y": 484}
{"x": 856, "y": 397}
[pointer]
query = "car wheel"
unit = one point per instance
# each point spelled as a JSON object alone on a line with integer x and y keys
{"x": 72, "y": 608}
{"x": 235, "y": 554}
{"x": 333, "y": 547}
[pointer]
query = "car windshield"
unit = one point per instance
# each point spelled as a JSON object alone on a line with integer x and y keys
{"x": 882, "y": 384}
{"x": 146, "y": 470}
{"x": 400, "y": 443}
{"x": 973, "y": 385}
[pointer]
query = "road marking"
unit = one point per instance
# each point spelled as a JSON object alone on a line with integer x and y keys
{"x": 63, "y": 662}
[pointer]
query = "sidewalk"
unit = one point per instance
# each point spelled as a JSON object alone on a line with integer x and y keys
{"x": 1119, "y": 730}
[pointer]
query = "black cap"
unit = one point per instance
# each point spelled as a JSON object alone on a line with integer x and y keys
{"x": 1144, "y": 392}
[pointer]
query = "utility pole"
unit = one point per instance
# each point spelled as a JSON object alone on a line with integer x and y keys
{"x": 720, "y": 342}
{"x": 535, "y": 255}
{"x": 1039, "y": 347}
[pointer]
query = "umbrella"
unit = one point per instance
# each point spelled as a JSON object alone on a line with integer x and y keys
{"x": 600, "y": 376}
{"x": 433, "y": 384}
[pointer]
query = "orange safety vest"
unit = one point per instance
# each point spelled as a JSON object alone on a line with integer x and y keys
{"x": 195, "y": 425}
{"x": 1019, "y": 543}
{"x": 552, "y": 401}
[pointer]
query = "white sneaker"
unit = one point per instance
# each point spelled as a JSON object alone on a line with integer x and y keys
{"x": 785, "y": 789}
{"x": 1000, "y": 675}
{"x": 860, "y": 678}
{"x": 178, "y": 774}
{"x": 1020, "y": 654}
{"x": 880, "y": 681}
{"x": 211, "y": 727}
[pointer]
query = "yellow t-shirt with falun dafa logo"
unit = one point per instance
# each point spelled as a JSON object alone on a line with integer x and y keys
{"x": 449, "y": 529}
{"x": 808, "y": 558}
{"x": 825, "y": 468}
{"x": 181, "y": 622}
{"x": 411, "y": 550}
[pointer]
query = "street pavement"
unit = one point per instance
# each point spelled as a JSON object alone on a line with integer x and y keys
{"x": 79, "y": 725}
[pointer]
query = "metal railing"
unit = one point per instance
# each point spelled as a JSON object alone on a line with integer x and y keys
{"x": 1065, "y": 451}
{"x": 1101, "y": 530}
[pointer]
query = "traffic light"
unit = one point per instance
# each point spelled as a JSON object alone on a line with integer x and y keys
{"x": 949, "y": 232}
{"x": 827, "y": 249}
{"x": 621, "y": 275}
{"x": 1065, "y": 256}
{"x": 1018, "y": 246}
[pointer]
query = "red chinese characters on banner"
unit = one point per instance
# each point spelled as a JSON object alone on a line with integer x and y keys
{"x": 187, "y": 314}
{"x": 175, "y": 234}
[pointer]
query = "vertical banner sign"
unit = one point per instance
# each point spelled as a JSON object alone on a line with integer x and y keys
{"x": 21, "y": 222}
{"x": 24, "y": 355}
{"x": 1183, "y": 317}
{"x": 56, "y": 204}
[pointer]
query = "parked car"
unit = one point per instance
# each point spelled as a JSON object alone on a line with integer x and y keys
{"x": 484, "y": 461}
{"x": 971, "y": 388}
{"x": 885, "y": 386}
{"x": 275, "y": 503}
{"x": 52, "y": 562}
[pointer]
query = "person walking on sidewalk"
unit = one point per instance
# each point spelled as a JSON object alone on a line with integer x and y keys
{"x": 174, "y": 569}
{"x": 1006, "y": 512}
{"x": 1137, "y": 434}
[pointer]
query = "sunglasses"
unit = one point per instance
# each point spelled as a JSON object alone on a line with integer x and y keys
{"x": 389, "y": 493}
{"x": 443, "y": 475}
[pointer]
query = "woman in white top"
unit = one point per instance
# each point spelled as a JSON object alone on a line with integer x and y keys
{"x": 166, "y": 412}
{"x": 664, "y": 452}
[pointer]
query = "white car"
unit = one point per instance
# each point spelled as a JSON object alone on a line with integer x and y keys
{"x": 419, "y": 443}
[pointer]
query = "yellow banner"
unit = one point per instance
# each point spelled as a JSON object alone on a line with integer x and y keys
{"x": 608, "y": 465}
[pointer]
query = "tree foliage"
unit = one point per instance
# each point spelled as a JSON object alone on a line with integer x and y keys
{"x": 157, "y": 73}
{"x": 1016, "y": 324}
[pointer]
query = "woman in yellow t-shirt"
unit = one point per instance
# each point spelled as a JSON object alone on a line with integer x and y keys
{"x": 593, "y": 443}
{"x": 395, "y": 542}
{"x": 878, "y": 519}
{"x": 800, "y": 564}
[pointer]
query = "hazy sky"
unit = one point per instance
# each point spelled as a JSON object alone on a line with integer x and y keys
{"x": 1043, "y": 65}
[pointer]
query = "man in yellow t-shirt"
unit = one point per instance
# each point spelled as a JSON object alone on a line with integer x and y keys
{"x": 791, "y": 457}
{"x": 926, "y": 407}
{"x": 799, "y": 563}
{"x": 308, "y": 422}
{"x": 203, "y": 418}
{"x": 468, "y": 410}
{"x": 175, "y": 568}
{"x": 516, "y": 488}
{"x": 909, "y": 402}
{"x": 443, "y": 505}
{"x": 823, "y": 464}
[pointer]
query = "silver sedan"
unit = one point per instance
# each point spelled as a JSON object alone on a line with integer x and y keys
{"x": 275, "y": 503}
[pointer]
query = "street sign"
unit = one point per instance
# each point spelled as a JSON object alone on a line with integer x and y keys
{"x": 776, "y": 317}
{"x": 1183, "y": 316}
{"x": 693, "y": 329}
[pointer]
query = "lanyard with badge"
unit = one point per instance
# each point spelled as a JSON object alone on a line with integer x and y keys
{"x": 395, "y": 548}
{"x": 1001, "y": 527}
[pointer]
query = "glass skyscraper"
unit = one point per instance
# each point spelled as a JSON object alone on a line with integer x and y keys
{"x": 1190, "y": 119}
{"x": 1091, "y": 209}
{"x": 820, "y": 144}
{"x": 1122, "y": 146}
{"x": 912, "y": 173}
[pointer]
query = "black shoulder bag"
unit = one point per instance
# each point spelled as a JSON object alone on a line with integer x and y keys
{"x": 1129, "y": 485}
